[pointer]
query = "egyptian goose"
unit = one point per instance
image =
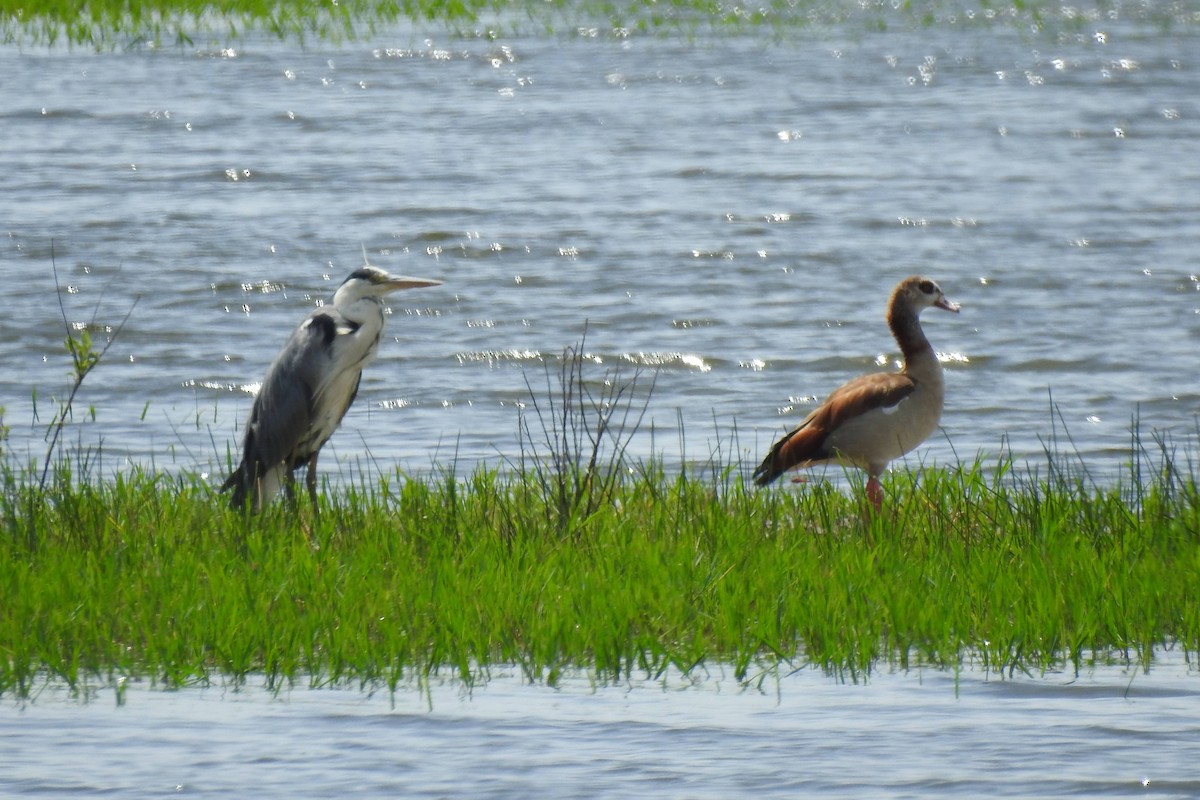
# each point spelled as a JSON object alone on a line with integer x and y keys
{"x": 875, "y": 418}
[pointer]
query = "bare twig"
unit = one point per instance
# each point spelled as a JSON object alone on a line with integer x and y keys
{"x": 577, "y": 449}
{"x": 84, "y": 358}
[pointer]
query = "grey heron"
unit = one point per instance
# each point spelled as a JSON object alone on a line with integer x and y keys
{"x": 310, "y": 385}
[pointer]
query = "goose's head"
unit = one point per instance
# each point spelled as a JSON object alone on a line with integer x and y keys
{"x": 917, "y": 293}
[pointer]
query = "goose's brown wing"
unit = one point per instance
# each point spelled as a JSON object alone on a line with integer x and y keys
{"x": 807, "y": 442}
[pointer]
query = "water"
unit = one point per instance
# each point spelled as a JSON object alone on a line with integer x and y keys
{"x": 729, "y": 211}
{"x": 1108, "y": 732}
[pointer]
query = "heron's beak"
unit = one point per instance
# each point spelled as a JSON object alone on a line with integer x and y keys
{"x": 942, "y": 303}
{"x": 398, "y": 282}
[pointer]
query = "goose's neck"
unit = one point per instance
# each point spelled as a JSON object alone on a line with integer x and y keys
{"x": 906, "y": 327}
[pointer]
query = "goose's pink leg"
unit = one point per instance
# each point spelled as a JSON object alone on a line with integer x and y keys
{"x": 875, "y": 492}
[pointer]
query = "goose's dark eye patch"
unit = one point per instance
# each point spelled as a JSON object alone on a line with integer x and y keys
{"x": 927, "y": 287}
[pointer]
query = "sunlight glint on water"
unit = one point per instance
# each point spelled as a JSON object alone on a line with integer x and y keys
{"x": 729, "y": 213}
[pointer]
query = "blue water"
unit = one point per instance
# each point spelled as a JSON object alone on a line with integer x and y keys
{"x": 727, "y": 212}
{"x": 1106, "y": 732}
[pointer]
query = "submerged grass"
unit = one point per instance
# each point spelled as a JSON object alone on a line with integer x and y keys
{"x": 108, "y": 24}
{"x": 152, "y": 578}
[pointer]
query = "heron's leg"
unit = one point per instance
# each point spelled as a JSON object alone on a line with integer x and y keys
{"x": 257, "y": 491}
{"x": 310, "y": 479}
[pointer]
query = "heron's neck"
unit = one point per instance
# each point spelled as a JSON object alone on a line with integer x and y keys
{"x": 362, "y": 310}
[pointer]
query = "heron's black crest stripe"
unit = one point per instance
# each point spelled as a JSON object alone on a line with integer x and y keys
{"x": 362, "y": 274}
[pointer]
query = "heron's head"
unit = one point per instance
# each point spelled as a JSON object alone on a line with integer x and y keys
{"x": 368, "y": 281}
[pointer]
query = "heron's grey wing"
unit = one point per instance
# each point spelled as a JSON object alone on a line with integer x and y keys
{"x": 282, "y": 415}
{"x": 283, "y": 411}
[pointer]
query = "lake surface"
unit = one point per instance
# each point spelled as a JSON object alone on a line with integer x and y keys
{"x": 1108, "y": 732}
{"x": 726, "y": 211}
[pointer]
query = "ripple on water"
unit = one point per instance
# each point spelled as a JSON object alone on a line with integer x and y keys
{"x": 496, "y": 358}
{"x": 1103, "y": 730}
{"x": 730, "y": 216}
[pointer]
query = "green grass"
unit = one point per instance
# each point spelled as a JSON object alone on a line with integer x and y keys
{"x": 153, "y": 578}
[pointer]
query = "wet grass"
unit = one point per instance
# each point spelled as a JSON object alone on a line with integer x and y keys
{"x": 571, "y": 557}
{"x": 108, "y": 24}
{"x": 145, "y": 577}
